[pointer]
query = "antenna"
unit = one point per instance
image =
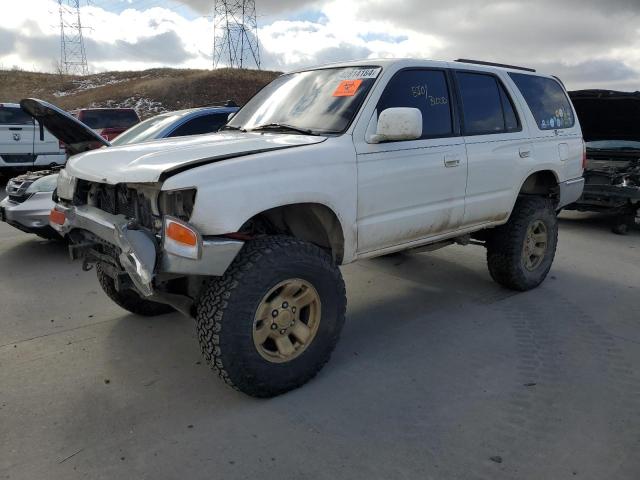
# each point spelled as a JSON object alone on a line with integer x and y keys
{"x": 73, "y": 59}
{"x": 235, "y": 34}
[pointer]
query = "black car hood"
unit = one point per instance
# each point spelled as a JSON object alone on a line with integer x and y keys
{"x": 607, "y": 114}
{"x": 77, "y": 136}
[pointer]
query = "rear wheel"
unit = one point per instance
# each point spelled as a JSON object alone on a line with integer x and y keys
{"x": 271, "y": 322}
{"x": 130, "y": 300}
{"x": 520, "y": 253}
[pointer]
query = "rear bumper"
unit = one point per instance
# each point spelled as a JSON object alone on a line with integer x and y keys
{"x": 570, "y": 191}
{"x": 140, "y": 252}
{"x": 32, "y": 215}
{"x": 607, "y": 198}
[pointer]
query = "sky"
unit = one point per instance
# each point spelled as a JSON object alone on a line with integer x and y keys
{"x": 588, "y": 43}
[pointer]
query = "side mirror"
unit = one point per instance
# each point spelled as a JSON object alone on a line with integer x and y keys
{"x": 399, "y": 123}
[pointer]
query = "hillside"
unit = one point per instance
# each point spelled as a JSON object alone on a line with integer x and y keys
{"x": 148, "y": 91}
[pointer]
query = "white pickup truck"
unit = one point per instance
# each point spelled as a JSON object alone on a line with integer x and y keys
{"x": 25, "y": 144}
{"x": 245, "y": 229}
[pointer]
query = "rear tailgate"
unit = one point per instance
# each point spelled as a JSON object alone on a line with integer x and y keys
{"x": 16, "y": 135}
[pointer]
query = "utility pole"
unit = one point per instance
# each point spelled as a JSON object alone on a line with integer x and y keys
{"x": 73, "y": 59}
{"x": 235, "y": 34}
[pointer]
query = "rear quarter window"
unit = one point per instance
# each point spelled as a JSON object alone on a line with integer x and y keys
{"x": 547, "y": 101}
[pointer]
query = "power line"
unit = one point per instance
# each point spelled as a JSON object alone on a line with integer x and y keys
{"x": 73, "y": 58}
{"x": 235, "y": 33}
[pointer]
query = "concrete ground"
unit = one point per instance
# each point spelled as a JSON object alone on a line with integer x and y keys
{"x": 439, "y": 374}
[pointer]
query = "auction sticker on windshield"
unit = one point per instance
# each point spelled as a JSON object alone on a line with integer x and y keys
{"x": 359, "y": 73}
{"x": 347, "y": 88}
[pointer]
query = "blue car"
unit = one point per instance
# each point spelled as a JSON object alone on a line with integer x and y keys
{"x": 29, "y": 196}
{"x": 193, "y": 121}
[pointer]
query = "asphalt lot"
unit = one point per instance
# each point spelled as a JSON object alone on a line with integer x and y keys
{"x": 440, "y": 374}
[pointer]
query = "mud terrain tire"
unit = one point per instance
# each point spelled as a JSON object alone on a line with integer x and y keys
{"x": 129, "y": 299}
{"x": 228, "y": 315}
{"x": 508, "y": 249}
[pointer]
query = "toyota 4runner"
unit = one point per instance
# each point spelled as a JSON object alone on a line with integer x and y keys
{"x": 245, "y": 229}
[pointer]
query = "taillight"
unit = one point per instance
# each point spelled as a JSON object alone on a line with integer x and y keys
{"x": 62, "y": 145}
{"x": 584, "y": 155}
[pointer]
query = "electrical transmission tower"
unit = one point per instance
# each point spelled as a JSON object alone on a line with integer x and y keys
{"x": 73, "y": 59}
{"x": 235, "y": 34}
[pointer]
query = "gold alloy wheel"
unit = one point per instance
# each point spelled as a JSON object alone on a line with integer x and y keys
{"x": 287, "y": 320}
{"x": 535, "y": 245}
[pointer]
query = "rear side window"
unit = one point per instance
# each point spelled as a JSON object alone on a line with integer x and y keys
{"x": 547, "y": 101}
{"x": 425, "y": 90}
{"x": 14, "y": 116}
{"x": 97, "y": 119}
{"x": 486, "y": 106}
{"x": 204, "y": 124}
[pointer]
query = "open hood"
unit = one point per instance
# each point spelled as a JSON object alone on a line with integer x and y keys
{"x": 69, "y": 130}
{"x": 150, "y": 162}
{"x": 607, "y": 114}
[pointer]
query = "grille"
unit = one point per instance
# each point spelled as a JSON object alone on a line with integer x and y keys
{"x": 17, "y": 189}
{"x": 121, "y": 200}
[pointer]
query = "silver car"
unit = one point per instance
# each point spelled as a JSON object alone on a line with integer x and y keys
{"x": 29, "y": 196}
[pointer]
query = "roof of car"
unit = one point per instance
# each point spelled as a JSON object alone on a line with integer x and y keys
{"x": 191, "y": 111}
{"x": 102, "y": 108}
{"x": 422, "y": 62}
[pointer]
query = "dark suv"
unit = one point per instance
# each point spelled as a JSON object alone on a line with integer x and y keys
{"x": 108, "y": 122}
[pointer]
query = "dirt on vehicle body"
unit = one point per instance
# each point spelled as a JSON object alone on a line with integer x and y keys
{"x": 245, "y": 229}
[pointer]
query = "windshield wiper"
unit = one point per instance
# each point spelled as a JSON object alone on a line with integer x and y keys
{"x": 233, "y": 127}
{"x": 282, "y": 126}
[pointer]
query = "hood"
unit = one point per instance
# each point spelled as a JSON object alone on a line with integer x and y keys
{"x": 607, "y": 114}
{"x": 77, "y": 136}
{"x": 154, "y": 161}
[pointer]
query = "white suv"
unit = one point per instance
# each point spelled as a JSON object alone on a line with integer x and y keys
{"x": 24, "y": 144}
{"x": 245, "y": 229}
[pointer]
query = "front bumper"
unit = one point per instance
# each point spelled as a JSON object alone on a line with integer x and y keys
{"x": 140, "y": 254}
{"x": 597, "y": 197}
{"x": 31, "y": 216}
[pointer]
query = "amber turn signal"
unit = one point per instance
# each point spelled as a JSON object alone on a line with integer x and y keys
{"x": 57, "y": 217}
{"x": 182, "y": 234}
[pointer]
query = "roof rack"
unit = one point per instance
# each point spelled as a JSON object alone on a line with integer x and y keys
{"x": 492, "y": 64}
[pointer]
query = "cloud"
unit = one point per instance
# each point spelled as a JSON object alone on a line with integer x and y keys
{"x": 166, "y": 48}
{"x": 7, "y": 41}
{"x": 263, "y": 7}
{"x": 588, "y": 43}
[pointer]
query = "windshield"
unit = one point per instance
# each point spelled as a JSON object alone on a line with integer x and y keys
{"x": 321, "y": 101}
{"x": 614, "y": 145}
{"x": 147, "y": 130}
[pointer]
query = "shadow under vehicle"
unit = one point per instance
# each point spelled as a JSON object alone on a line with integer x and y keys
{"x": 610, "y": 123}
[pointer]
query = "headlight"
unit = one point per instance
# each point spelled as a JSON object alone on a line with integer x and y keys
{"x": 44, "y": 184}
{"x": 66, "y": 185}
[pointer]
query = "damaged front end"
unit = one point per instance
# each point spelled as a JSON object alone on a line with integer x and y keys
{"x": 612, "y": 182}
{"x": 129, "y": 230}
{"x": 611, "y": 129}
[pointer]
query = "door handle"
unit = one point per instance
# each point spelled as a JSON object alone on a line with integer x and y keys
{"x": 451, "y": 161}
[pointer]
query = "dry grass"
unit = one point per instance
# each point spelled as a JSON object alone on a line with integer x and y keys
{"x": 160, "y": 89}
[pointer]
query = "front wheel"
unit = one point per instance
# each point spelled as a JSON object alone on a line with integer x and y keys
{"x": 130, "y": 300}
{"x": 520, "y": 253}
{"x": 271, "y": 322}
